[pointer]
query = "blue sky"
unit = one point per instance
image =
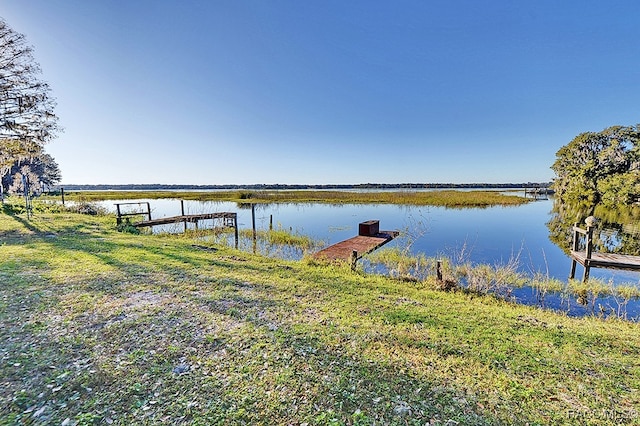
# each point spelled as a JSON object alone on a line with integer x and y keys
{"x": 321, "y": 92}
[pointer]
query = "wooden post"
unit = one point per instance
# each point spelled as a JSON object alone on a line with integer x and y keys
{"x": 589, "y": 244}
{"x": 235, "y": 225}
{"x": 183, "y": 219}
{"x": 62, "y": 192}
{"x": 270, "y": 222}
{"x": 118, "y": 219}
{"x": 575, "y": 247}
{"x": 439, "y": 270}
{"x": 253, "y": 226}
{"x": 353, "y": 259}
{"x": 589, "y": 247}
{"x": 148, "y": 210}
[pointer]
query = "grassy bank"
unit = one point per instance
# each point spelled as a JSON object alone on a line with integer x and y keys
{"x": 101, "y": 327}
{"x": 435, "y": 198}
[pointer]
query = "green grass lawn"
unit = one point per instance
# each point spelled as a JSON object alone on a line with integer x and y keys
{"x": 101, "y": 327}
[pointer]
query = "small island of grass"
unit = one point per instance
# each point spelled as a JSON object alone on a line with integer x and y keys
{"x": 443, "y": 198}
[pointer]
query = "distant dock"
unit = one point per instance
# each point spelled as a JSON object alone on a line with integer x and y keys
{"x": 538, "y": 193}
{"x": 369, "y": 238}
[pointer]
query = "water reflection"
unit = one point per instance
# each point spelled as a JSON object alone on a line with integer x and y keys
{"x": 537, "y": 234}
{"x": 617, "y": 231}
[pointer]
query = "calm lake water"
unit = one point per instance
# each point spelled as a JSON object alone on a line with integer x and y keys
{"x": 493, "y": 235}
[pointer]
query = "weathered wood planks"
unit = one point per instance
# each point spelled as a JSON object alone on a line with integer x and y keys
{"x": 607, "y": 260}
{"x": 369, "y": 238}
{"x": 360, "y": 244}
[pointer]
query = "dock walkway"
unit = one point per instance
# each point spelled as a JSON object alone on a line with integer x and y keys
{"x": 360, "y": 244}
{"x": 369, "y": 238}
{"x": 608, "y": 260}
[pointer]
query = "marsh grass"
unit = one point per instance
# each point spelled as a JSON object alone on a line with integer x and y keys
{"x": 591, "y": 293}
{"x": 399, "y": 265}
{"x": 278, "y": 243}
{"x": 543, "y": 285}
{"x": 102, "y": 327}
{"x": 501, "y": 279}
{"x": 446, "y": 198}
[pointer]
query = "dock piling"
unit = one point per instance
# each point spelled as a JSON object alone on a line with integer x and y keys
{"x": 353, "y": 259}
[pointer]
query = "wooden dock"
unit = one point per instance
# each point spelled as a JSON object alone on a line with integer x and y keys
{"x": 538, "y": 193}
{"x": 369, "y": 238}
{"x": 590, "y": 259}
{"x": 224, "y": 219}
{"x": 228, "y": 219}
{"x": 608, "y": 260}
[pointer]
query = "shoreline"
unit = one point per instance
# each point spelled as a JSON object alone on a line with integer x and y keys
{"x": 367, "y": 186}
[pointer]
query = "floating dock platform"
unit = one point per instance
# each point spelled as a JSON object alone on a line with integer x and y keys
{"x": 369, "y": 238}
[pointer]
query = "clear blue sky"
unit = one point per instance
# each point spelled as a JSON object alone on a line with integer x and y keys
{"x": 320, "y": 92}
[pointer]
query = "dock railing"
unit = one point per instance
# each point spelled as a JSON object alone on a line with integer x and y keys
{"x": 227, "y": 219}
{"x": 121, "y": 214}
{"x": 589, "y": 258}
{"x": 588, "y": 246}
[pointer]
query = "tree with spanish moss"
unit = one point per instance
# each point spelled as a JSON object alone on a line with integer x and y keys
{"x": 27, "y": 118}
{"x": 42, "y": 172}
{"x": 600, "y": 168}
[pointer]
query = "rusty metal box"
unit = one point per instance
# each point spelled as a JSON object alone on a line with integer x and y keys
{"x": 369, "y": 228}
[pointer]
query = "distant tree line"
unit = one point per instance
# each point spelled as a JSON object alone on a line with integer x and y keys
{"x": 231, "y": 187}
